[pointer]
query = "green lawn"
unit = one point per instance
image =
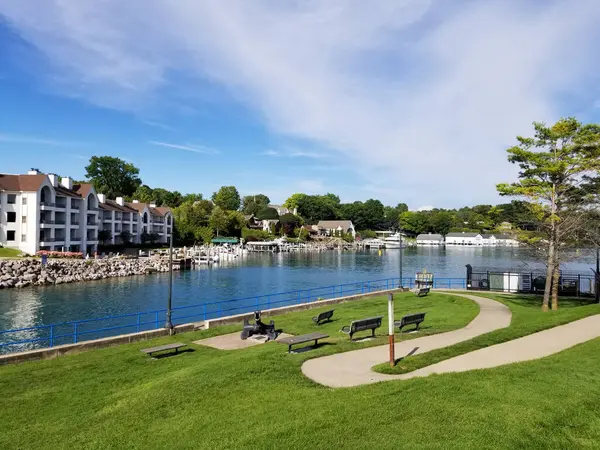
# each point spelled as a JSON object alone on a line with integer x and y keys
{"x": 527, "y": 318}
{"x": 9, "y": 252}
{"x": 258, "y": 398}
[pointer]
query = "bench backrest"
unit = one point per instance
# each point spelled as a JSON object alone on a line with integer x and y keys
{"x": 413, "y": 318}
{"x": 325, "y": 315}
{"x": 366, "y": 324}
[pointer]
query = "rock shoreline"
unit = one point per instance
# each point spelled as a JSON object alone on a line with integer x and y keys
{"x": 19, "y": 273}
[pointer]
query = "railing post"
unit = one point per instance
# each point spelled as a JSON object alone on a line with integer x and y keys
{"x": 74, "y": 332}
{"x": 51, "y": 339}
{"x": 257, "y": 308}
{"x": 368, "y": 286}
{"x": 298, "y": 292}
{"x": 137, "y": 328}
{"x": 333, "y": 292}
{"x": 341, "y": 290}
{"x": 218, "y": 309}
{"x": 204, "y": 311}
{"x": 387, "y": 284}
{"x": 156, "y": 320}
{"x": 308, "y": 299}
{"x": 268, "y": 301}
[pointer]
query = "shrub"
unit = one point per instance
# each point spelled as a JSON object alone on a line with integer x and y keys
{"x": 68, "y": 255}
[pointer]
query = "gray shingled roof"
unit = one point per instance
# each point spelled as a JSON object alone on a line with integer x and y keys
{"x": 472, "y": 235}
{"x": 430, "y": 237}
{"x": 334, "y": 224}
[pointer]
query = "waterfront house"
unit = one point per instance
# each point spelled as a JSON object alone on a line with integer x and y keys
{"x": 489, "y": 239}
{"x": 281, "y": 210}
{"x": 336, "y": 227}
{"x": 464, "y": 238}
{"x": 507, "y": 240}
{"x": 269, "y": 225}
{"x": 152, "y": 219}
{"x": 430, "y": 239}
{"x": 44, "y": 212}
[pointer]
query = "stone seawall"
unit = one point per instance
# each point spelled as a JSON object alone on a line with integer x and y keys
{"x": 20, "y": 273}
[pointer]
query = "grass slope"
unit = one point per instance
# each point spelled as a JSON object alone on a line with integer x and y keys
{"x": 119, "y": 398}
{"x": 9, "y": 253}
{"x": 527, "y": 318}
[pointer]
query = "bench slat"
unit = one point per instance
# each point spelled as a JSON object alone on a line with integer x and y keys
{"x": 303, "y": 338}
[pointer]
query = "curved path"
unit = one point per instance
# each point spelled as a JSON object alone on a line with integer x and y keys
{"x": 354, "y": 368}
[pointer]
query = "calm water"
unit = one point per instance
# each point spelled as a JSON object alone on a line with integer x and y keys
{"x": 253, "y": 275}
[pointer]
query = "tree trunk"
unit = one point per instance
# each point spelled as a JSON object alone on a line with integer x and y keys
{"x": 549, "y": 274}
{"x": 556, "y": 272}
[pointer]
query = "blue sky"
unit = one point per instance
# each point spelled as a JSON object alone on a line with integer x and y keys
{"x": 404, "y": 100}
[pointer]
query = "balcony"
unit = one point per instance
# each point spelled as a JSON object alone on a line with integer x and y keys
{"x": 46, "y": 239}
{"x": 46, "y": 223}
{"x": 61, "y": 204}
{"x": 93, "y": 223}
{"x": 74, "y": 222}
{"x": 44, "y": 205}
{"x": 75, "y": 238}
{"x": 75, "y": 206}
{"x": 60, "y": 221}
{"x": 106, "y": 219}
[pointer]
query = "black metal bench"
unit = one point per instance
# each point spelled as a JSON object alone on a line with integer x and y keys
{"x": 323, "y": 317}
{"x": 410, "y": 319}
{"x": 175, "y": 346}
{"x": 421, "y": 292}
{"x": 293, "y": 340}
{"x": 361, "y": 325}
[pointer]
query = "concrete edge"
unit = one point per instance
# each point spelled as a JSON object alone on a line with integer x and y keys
{"x": 71, "y": 349}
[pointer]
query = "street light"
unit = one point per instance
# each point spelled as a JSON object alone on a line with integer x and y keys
{"x": 401, "y": 251}
{"x": 169, "y": 323}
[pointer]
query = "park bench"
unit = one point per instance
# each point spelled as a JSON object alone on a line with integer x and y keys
{"x": 323, "y": 317}
{"x": 293, "y": 340}
{"x": 361, "y": 325}
{"x": 421, "y": 292}
{"x": 175, "y": 346}
{"x": 410, "y": 319}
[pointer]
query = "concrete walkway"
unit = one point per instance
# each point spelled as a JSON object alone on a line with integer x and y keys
{"x": 354, "y": 368}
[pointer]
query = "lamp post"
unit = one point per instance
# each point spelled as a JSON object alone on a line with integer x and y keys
{"x": 401, "y": 251}
{"x": 391, "y": 328}
{"x": 169, "y": 323}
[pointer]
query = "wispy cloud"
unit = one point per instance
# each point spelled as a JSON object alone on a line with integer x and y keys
{"x": 35, "y": 140}
{"x": 160, "y": 125}
{"x": 294, "y": 154}
{"x": 389, "y": 84}
{"x": 187, "y": 147}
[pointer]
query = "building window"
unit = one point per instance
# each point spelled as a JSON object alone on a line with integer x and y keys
{"x": 23, "y": 238}
{"x": 11, "y": 199}
{"x": 11, "y": 217}
{"x": 10, "y": 235}
{"x": 24, "y": 219}
{"x": 23, "y": 200}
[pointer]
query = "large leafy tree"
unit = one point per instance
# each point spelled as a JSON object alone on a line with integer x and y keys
{"x": 218, "y": 220}
{"x": 251, "y": 204}
{"x": 294, "y": 200}
{"x": 113, "y": 176}
{"x": 289, "y": 223}
{"x": 558, "y": 164}
{"x": 191, "y": 217}
{"x": 227, "y": 198}
{"x": 267, "y": 213}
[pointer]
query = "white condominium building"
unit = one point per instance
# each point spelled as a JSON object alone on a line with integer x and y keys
{"x": 39, "y": 212}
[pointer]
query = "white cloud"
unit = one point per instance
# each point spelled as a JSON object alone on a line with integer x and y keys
{"x": 423, "y": 96}
{"x": 35, "y": 140}
{"x": 187, "y": 147}
{"x": 290, "y": 153}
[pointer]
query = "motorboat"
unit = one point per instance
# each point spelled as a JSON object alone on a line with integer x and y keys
{"x": 393, "y": 241}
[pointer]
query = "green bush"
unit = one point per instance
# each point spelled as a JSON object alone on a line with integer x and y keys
{"x": 256, "y": 235}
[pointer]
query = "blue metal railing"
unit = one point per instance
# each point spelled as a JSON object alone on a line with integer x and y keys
{"x": 22, "y": 339}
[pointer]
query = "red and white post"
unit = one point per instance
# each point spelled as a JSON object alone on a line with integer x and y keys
{"x": 391, "y": 329}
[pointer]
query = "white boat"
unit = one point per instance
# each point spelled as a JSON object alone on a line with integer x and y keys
{"x": 393, "y": 241}
{"x": 373, "y": 243}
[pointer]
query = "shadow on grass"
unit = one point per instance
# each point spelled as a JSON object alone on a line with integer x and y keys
{"x": 172, "y": 354}
{"x": 310, "y": 347}
{"x": 412, "y": 352}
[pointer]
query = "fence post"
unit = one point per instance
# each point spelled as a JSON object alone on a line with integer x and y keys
{"x": 268, "y": 301}
{"x": 156, "y": 320}
{"x": 51, "y": 339}
{"x": 341, "y": 290}
{"x": 298, "y": 292}
{"x": 204, "y": 311}
{"x": 387, "y": 284}
{"x": 74, "y": 332}
{"x": 332, "y": 291}
{"x": 368, "y": 286}
{"x": 137, "y": 327}
{"x": 219, "y": 310}
{"x": 256, "y": 303}
{"x": 308, "y": 300}
{"x": 449, "y": 283}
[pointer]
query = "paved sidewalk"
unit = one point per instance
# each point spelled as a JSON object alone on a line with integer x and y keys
{"x": 354, "y": 368}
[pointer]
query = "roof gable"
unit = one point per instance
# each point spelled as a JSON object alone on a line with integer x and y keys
{"x": 24, "y": 183}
